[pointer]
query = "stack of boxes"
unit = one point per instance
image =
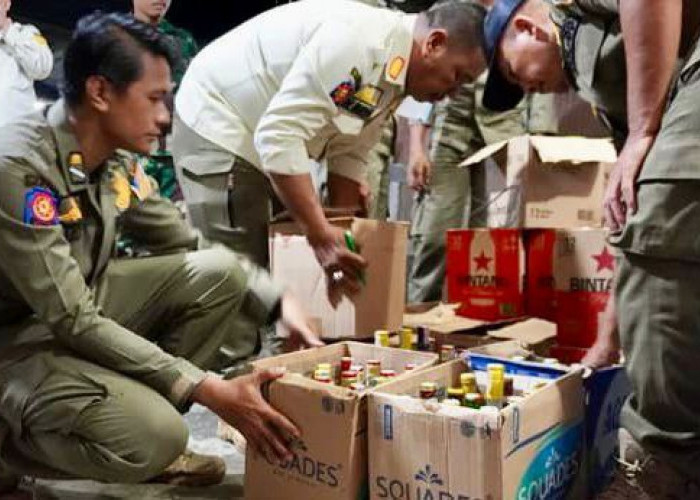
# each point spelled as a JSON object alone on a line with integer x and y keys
{"x": 545, "y": 252}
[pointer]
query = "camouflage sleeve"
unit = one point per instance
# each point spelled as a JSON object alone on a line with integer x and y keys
{"x": 152, "y": 222}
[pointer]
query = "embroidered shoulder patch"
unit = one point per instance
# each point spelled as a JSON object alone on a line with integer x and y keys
{"x": 396, "y": 66}
{"x": 40, "y": 207}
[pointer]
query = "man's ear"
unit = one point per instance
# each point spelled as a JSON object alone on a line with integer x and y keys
{"x": 526, "y": 25}
{"x": 98, "y": 92}
{"x": 435, "y": 43}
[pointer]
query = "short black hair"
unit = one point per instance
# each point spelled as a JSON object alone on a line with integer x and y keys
{"x": 109, "y": 45}
{"x": 463, "y": 21}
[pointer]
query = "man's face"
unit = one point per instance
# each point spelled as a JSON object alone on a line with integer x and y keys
{"x": 532, "y": 59}
{"x": 135, "y": 117}
{"x": 152, "y": 9}
{"x": 437, "y": 74}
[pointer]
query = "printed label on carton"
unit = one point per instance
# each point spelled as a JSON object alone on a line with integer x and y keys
{"x": 552, "y": 472}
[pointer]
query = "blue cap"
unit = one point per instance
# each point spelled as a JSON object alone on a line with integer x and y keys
{"x": 499, "y": 94}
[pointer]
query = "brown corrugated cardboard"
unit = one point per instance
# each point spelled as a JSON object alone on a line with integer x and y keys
{"x": 381, "y": 302}
{"x": 330, "y": 460}
{"x": 446, "y": 327}
{"x": 532, "y": 449}
{"x": 541, "y": 181}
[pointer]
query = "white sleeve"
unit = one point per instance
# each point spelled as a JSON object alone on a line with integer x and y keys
{"x": 303, "y": 104}
{"x": 30, "y": 49}
{"x": 347, "y": 155}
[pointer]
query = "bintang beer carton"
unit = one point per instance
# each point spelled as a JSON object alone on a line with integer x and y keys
{"x": 485, "y": 269}
{"x": 569, "y": 280}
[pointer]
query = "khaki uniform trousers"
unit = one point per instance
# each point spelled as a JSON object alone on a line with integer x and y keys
{"x": 66, "y": 417}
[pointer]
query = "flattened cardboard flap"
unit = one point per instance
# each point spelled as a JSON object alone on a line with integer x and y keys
{"x": 486, "y": 152}
{"x": 527, "y": 333}
{"x": 442, "y": 319}
{"x": 574, "y": 150}
{"x": 554, "y": 149}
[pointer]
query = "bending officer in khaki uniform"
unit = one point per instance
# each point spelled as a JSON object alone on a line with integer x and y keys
{"x": 313, "y": 79}
{"x": 638, "y": 63}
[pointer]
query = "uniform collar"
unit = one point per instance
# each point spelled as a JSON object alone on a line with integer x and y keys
{"x": 399, "y": 51}
{"x": 70, "y": 159}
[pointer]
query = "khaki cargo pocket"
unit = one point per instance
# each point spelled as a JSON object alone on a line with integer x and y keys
{"x": 206, "y": 183}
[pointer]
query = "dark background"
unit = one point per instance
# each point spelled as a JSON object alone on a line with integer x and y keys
{"x": 206, "y": 19}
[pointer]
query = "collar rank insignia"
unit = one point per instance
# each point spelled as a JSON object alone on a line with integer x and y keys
{"x": 76, "y": 170}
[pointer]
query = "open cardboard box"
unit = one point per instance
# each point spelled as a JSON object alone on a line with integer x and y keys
{"x": 604, "y": 392}
{"x": 532, "y": 449}
{"x": 447, "y": 327}
{"x": 380, "y": 303}
{"x": 330, "y": 460}
{"x": 543, "y": 181}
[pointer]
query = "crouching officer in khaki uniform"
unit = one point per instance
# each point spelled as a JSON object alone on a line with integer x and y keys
{"x": 313, "y": 79}
{"x": 639, "y": 64}
{"x": 98, "y": 357}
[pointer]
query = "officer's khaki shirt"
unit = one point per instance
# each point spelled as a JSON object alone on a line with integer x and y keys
{"x": 313, "y": 79}
{"x": 594, "y": 54}
{"x": 25, "y": 56}
{"x": 57, "y": 235}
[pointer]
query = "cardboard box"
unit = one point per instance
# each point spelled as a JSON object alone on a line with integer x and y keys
{"x": 424, "y": 450}
{"x": 542, "y": 181}
{"x": 330, "y": 460}
{"x": 569, "y": 280}
{"x": 381, "y": 302}
{"x": 485, "y": 269}
{"x": 446, "y": 327}
{"x": 605, "y": 391}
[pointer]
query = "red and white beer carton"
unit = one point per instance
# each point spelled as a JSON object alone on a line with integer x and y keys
{"x": 569, "y": 280}
{"x": 485, "y": 269}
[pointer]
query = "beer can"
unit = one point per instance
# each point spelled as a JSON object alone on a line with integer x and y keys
{"x": 474, "y": 400}
{"x": 508, "y": 386}
{"x": 406, "y": 338}
{"x": 447, "y": 353}
{"x": 422, "y": 338}
{"x": 348, "y": 378}
{"x": 428, "y": 390}
{"x": 468, "y": 382}
{"x": 374, "y": 367}
{"x": 381, "y": 338}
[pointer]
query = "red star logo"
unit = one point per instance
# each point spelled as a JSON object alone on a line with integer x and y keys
{"x": 482, "y": 261}
{"x": 605, "y": 260}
